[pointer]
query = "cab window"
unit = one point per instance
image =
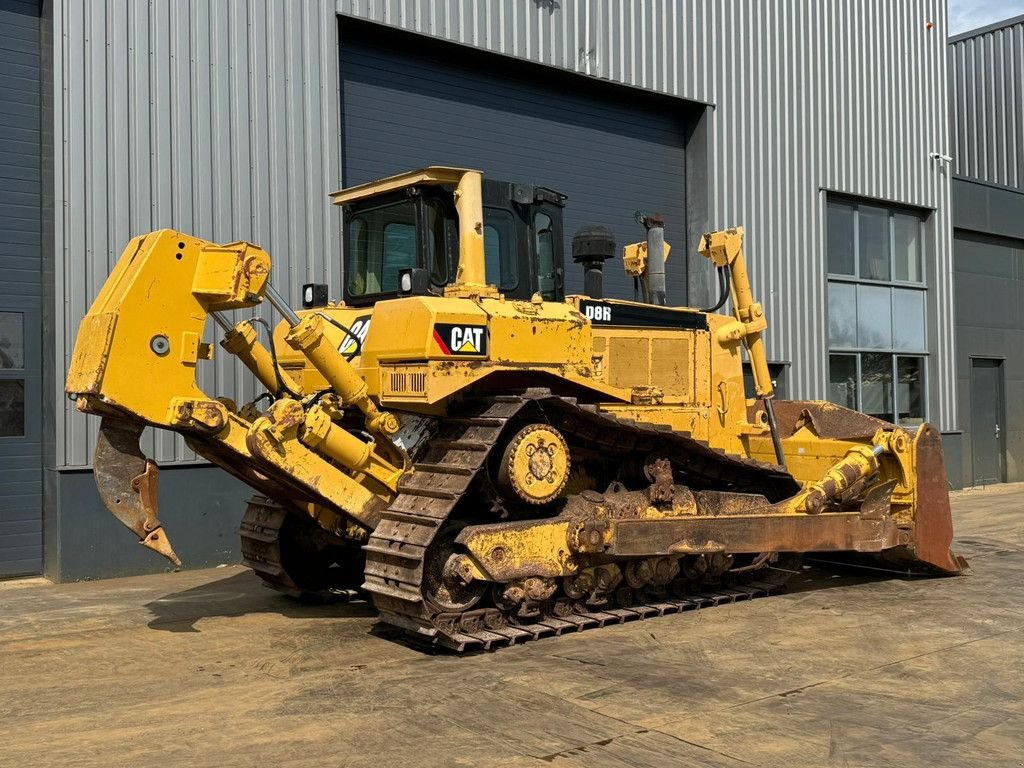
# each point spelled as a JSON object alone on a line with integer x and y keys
{"x": 381, "y": 241}
{"x": 500, "y": 249}
{"x": 437, "y": 243}
{"x": 544, "y": 247}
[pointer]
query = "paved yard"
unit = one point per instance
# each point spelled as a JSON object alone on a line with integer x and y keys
{"x": 209, "y": 669}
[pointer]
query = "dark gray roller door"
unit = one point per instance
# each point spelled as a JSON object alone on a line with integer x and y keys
{"x": 408, "y": 101}
{"x": 20, "y": 356}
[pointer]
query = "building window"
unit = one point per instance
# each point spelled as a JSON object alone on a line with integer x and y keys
{"x": 12, "y": 385}
{"x": 889, "y": 387}
{"x": 876, "y": 310}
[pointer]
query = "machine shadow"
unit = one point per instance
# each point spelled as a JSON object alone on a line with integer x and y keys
{"x": 239, "y": 595}
{"x": 242, "y": 594}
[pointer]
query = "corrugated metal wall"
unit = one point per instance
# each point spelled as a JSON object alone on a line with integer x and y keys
{"x": 217, "y": 117}
{"x": 809, "y": 96}
{"x": 986, "y": 106}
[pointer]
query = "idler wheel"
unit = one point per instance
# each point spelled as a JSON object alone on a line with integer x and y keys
{"x": 535, "y": 465}
{"x": 442, "y": 585}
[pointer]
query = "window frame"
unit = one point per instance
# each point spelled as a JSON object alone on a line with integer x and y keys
{"x": 921, "y": 216}
{"x": 20, "y": 374}
{"x": 856, "y": 348}
{"x": 420, "y": 199}
{"x": 351, "y": 217}
{"x": 508, "y": 248}
{"x": 894, "y": 358}
{"x": 894, "y": 353}
{"x": 555, "y": 220}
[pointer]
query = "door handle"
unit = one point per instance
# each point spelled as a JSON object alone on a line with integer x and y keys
{"x": 997, "y": 430}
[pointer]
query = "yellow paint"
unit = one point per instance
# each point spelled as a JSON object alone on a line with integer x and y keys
{"x": 140, "y": 345}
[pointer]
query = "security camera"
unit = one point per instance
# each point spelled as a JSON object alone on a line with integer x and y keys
{"x": 940, "y": 156}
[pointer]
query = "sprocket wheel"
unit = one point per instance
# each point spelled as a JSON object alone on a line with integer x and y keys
{"x": 535, "y": 466}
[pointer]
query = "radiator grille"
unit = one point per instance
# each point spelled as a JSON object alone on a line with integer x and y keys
{"x": 409, "y": 383}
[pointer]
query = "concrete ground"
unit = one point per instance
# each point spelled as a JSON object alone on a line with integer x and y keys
{"x": 206, "y": 668}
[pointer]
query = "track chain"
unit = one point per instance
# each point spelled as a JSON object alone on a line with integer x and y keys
{"x": 480, "y": 632}
{"x": 261, "y": 542}
{"x": 395, "y": 565}
{"x": 260, "y": 539}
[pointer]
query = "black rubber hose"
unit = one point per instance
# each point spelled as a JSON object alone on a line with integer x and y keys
{"x": 347, "y": 332}
{"x": 273, "y": 356}
{"x": 315, "y": 398}
{"x": 723, "y": 290}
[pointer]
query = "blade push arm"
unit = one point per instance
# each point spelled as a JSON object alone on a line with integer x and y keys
{"x": 725, "y": 249}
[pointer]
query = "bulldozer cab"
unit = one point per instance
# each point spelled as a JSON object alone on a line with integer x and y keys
{"x": 411, "y": 228}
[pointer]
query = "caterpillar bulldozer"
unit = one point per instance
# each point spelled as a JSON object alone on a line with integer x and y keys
{"x": 487, "y": 459}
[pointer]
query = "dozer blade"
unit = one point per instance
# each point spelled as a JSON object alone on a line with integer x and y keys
{"x": 927, "y": 545}
{"x": 127, "y": 482}
{"x": 932, "y": 538}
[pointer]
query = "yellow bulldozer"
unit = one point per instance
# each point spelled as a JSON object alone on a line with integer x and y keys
{"x": 484, "y": 457}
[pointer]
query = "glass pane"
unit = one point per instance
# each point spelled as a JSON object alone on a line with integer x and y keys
{"x": 12, "y": 408}
{"x": 399, "y": 253}
{"x": 876, "y": 385}
{"x": 379, "y": 243}
{"x": 842, "y": 315}
{"x": 500, "y": 260}
{"x": 545, "y": 247}
{"x": 842, "y": 380}
{"x": 873, "y": 231}
{"x": 840, "y": 238}
{"x": 907, "y": 242}
{"x": 910, "y": 390}
{"x": 437, "y": 244}
{"x": 874, "y": 317}
{"x": 908, "y": 319}
{"x": 12, "y": 340}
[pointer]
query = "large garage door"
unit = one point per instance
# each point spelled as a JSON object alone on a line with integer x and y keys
{"x": 20, "y": 356}
{"x": 408, "y": 101}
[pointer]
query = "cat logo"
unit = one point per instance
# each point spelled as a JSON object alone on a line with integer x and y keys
{"x": 349, "y": 346}
{"x": 461, "y": 339}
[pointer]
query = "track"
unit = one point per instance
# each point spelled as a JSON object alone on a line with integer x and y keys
{"x": 293, "y": 564}
{"x": 398, "y": 569}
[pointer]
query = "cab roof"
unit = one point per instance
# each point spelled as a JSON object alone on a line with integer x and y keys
{"x": 433, "y": 175}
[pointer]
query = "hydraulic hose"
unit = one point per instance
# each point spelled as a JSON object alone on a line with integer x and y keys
{"x": 723, "y": 290}
{"x": 281, "y": 386}
{"x": 359, "y": 344}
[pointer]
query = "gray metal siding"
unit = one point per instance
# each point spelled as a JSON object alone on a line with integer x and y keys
{"x": 407, "y": 104}
{"x": 222, "y": 118}
{"x": 809, "y": 95}
{"x": 217, "y": 118}
{"x": 990, "y": 323}
{"x": 986, "y": 108}
{"x": 21, "y": 479}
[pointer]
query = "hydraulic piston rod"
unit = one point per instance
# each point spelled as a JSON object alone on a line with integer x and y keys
{"x": 307, "y": 336}
{"x": 241, "y": 341}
